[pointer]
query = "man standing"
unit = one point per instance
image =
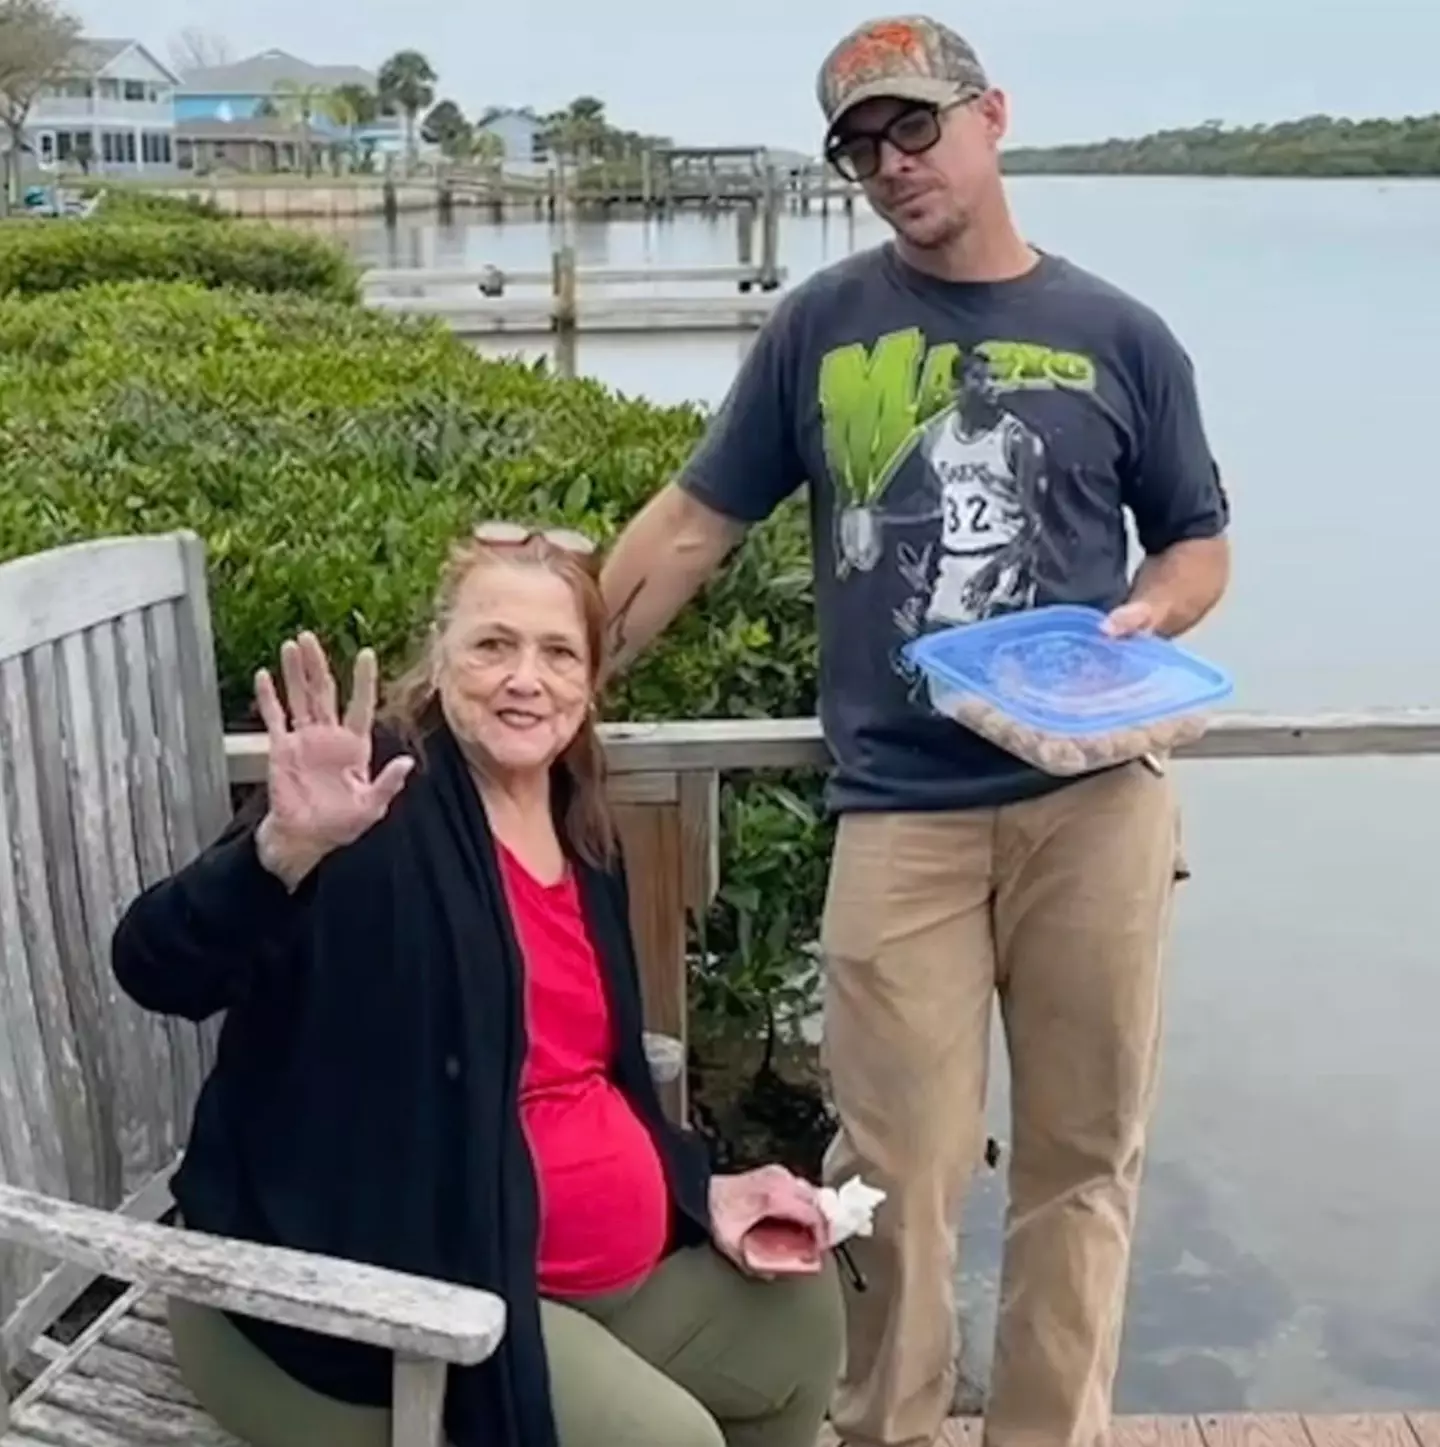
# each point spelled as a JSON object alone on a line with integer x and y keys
{"x": 975, "y": 419}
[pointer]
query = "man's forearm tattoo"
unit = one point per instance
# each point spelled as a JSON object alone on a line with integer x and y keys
{"x": 617, "y": 637}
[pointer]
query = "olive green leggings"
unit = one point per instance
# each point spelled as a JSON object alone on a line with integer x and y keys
{"x": 697, "y": 1356}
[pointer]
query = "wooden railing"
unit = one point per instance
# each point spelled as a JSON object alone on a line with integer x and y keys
{"x": 665, "y": 780}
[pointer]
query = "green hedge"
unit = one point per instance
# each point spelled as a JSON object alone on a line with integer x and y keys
{"x": 328, "y": 455}
{"x": 126, "y": 203}
{"x": 60, "y": 255}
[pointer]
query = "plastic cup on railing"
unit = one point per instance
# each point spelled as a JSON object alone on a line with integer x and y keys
{"x": 1050, "y": 687}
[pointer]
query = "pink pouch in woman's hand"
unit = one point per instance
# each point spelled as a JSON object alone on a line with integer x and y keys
{"x": 786, "y": 1235}
{"x": 777, "y": 1246}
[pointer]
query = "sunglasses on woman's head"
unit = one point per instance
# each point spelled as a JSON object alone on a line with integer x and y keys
{"x": 514, "y": 535}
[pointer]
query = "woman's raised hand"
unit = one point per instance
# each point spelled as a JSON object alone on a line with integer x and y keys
{"x": 321, "y": 794}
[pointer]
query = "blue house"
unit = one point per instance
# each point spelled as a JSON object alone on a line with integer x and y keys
{"x": 255, "y": 88}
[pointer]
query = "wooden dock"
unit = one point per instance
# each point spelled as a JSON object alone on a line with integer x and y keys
{"x": 475, "y": 316}
{"x": 661, "y": 180}
{"x": 485, "y": 300}
{"x": 566, "y": 298}
{"x": 494, "y": 280}
{"x": 1245, "y": 1429}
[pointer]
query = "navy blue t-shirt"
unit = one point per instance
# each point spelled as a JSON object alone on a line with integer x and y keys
{"x": 971, "y": 448}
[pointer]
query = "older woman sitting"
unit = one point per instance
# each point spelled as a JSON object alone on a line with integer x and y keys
{"x": 432, "y": 1058}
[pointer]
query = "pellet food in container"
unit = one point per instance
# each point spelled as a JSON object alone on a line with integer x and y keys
{"x": 1051, "y": 688}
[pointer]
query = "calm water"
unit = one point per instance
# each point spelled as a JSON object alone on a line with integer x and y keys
{"x": 1288, "y": 1256}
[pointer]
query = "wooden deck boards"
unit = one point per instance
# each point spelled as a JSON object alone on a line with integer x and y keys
{"x": 1246, "y": 1429}
{"x": 119, "y": 1387}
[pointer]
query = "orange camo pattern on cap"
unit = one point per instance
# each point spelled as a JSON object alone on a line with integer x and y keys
{"x": 877, "y": 49}
{"x": 914, "y": 49}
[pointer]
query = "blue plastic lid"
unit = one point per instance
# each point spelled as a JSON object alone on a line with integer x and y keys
{"x": 1053, "y": 670}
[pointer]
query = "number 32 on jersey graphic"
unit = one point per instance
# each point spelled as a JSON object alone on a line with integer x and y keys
{"x": 981, "y": 489}
{"x": 988, "y": 471}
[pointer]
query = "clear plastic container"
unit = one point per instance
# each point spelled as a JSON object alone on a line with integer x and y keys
{"x": 1051, "y": 688}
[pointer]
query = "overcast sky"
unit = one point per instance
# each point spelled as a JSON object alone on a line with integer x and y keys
{"x": 742, "y": 71}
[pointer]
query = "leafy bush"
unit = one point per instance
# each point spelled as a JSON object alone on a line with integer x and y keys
{"x": 61, "y": 255}
{"x": 328, "y": 455}
{"x": 125, "y": 203}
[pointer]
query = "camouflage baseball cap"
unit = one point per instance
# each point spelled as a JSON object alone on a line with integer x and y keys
{"x": 909, "y": 57}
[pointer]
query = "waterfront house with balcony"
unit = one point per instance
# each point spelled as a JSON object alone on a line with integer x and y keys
{"x": 110, "y": 113}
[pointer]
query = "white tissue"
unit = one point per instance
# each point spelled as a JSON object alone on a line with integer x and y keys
{"x": 850, "y": 1210}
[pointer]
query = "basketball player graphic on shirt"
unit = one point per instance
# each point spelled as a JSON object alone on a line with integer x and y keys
{"x": 988, "y": 470}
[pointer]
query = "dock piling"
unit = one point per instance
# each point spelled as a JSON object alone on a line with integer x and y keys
{"x": 770, "y": 232}
{"x": 563, "y": 280}
{"x": 745, "y": 240}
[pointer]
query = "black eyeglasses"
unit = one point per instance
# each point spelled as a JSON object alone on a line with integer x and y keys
{"x": 855, "y": 154}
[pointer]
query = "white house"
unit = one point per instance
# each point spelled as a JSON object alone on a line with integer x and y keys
{"x": 111, "y": 113}
{"x": 521, "y": 134}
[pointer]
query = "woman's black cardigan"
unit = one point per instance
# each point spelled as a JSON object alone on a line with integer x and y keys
{"x": 364, "y": 1099}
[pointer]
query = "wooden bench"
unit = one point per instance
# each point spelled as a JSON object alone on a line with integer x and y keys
{"x": 112, "y": 774}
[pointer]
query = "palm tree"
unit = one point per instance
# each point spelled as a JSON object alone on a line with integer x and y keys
{"x": 407, "y": 81}
{"x": 362, "y": 104}
{"x": 350, "y": 106}
{"x": 488, "y": 150}
{"x": 447, "y": 128}
{"x": 296, "y": 102}
{"x": 586, "y": 126}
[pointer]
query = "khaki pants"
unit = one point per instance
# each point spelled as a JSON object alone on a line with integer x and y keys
{"x": 697, "y": 1356}
{"x": 1059, "y": 905}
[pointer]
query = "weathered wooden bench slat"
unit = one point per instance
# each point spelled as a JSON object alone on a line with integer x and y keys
{"x": 30, "y": 1145}
{"x": 142, "y": 1337}
{"x": 149, "y": 1308}
{"x": 110, "y": 1363}
{"x": 56, "y": 929}
{"x": 134, "y": 1412}
{"x": 37, "y": 1394}
{"x": 134, "y": 1077}
{"x": 30, "y": 932}
{"x": 178, "y": 793}
{"x": 61, "y": 1286}
{"x": 31, "y": 1124}
{"x": 192, "y": 765}
{"x": 155, "y": 856}
{"x": 63, "y": 592}
{"x": 363, "y": 1303}
{"x": 55, "y": 1427}
{"x": 122, "y": 738}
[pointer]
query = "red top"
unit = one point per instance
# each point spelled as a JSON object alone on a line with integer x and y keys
{"x": 604, "y": 1203}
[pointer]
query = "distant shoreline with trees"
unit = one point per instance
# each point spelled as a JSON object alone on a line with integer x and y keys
{"x": 1311, "y": 146}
